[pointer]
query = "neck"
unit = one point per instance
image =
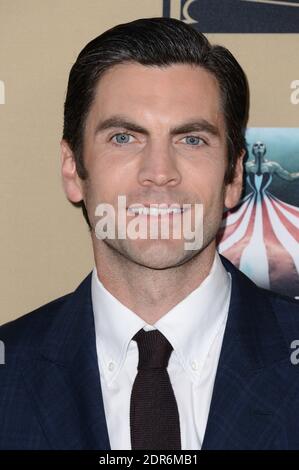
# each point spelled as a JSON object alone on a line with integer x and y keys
{"x": 142, "y": 289}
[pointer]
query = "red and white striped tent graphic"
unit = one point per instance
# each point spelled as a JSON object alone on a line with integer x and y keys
{"x": 260, "y": 236}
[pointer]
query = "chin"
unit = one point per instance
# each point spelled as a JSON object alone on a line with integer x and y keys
{"x": 157, "y": 254}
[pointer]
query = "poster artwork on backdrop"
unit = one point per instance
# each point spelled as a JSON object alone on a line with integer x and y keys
{"x": 261, "y": 235}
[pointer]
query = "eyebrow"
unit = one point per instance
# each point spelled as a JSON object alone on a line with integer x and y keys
{"x": 194, "y": 125}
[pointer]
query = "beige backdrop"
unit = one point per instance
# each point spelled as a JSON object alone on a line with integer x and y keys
{"x": 45, "y": 247}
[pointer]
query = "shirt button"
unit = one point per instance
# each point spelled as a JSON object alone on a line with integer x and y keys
{"x": 194, "y": 365}
{"x": 111, "y": 366}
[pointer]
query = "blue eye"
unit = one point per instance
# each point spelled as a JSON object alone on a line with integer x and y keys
{"x": 121, "y": 138}
{"x": 193, "y": 140}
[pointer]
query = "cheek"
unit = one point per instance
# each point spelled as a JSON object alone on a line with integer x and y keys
{"x": 107, "y": 181}
{"x": 206, "y": 179}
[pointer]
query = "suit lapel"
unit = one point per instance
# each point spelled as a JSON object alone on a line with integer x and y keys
{"x": 63, "y": 378}
{"x": 248, "y": 387}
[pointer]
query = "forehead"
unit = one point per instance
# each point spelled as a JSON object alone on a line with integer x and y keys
{"x": 175, "y": 91}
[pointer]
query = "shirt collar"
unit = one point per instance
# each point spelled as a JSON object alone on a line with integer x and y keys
{"x": 191, "y": 326}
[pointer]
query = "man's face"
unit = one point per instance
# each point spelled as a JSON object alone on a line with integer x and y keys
{"x": 156, "y": 135}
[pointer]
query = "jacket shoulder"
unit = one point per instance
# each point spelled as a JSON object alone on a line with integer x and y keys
{"x": 286, "y": 307}
{"x": 32, "y": 326}
{"x": 286, "y": 310}
{"x": 28, "y": 331}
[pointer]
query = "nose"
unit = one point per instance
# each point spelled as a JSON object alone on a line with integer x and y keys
{"x": 158, "y": 166}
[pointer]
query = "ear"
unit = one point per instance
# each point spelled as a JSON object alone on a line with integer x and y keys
{"x": 72, "y": 183}
{"x": 233, "y": 190}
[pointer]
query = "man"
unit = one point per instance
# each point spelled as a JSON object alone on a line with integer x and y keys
{"x": 161, "y": 346}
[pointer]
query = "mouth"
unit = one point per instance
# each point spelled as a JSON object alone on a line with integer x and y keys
{"x": 155, "y": 211}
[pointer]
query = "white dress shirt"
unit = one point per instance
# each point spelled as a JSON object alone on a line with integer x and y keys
{"x": 194, "y": 327}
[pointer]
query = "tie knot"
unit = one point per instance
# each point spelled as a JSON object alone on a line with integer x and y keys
{"x": 154, "y": 349}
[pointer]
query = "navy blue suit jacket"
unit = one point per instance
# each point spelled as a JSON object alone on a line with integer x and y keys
{"x": 50, "y": 390}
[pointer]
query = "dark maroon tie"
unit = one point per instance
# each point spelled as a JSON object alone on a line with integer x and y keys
{"x": 154, "y": 416}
